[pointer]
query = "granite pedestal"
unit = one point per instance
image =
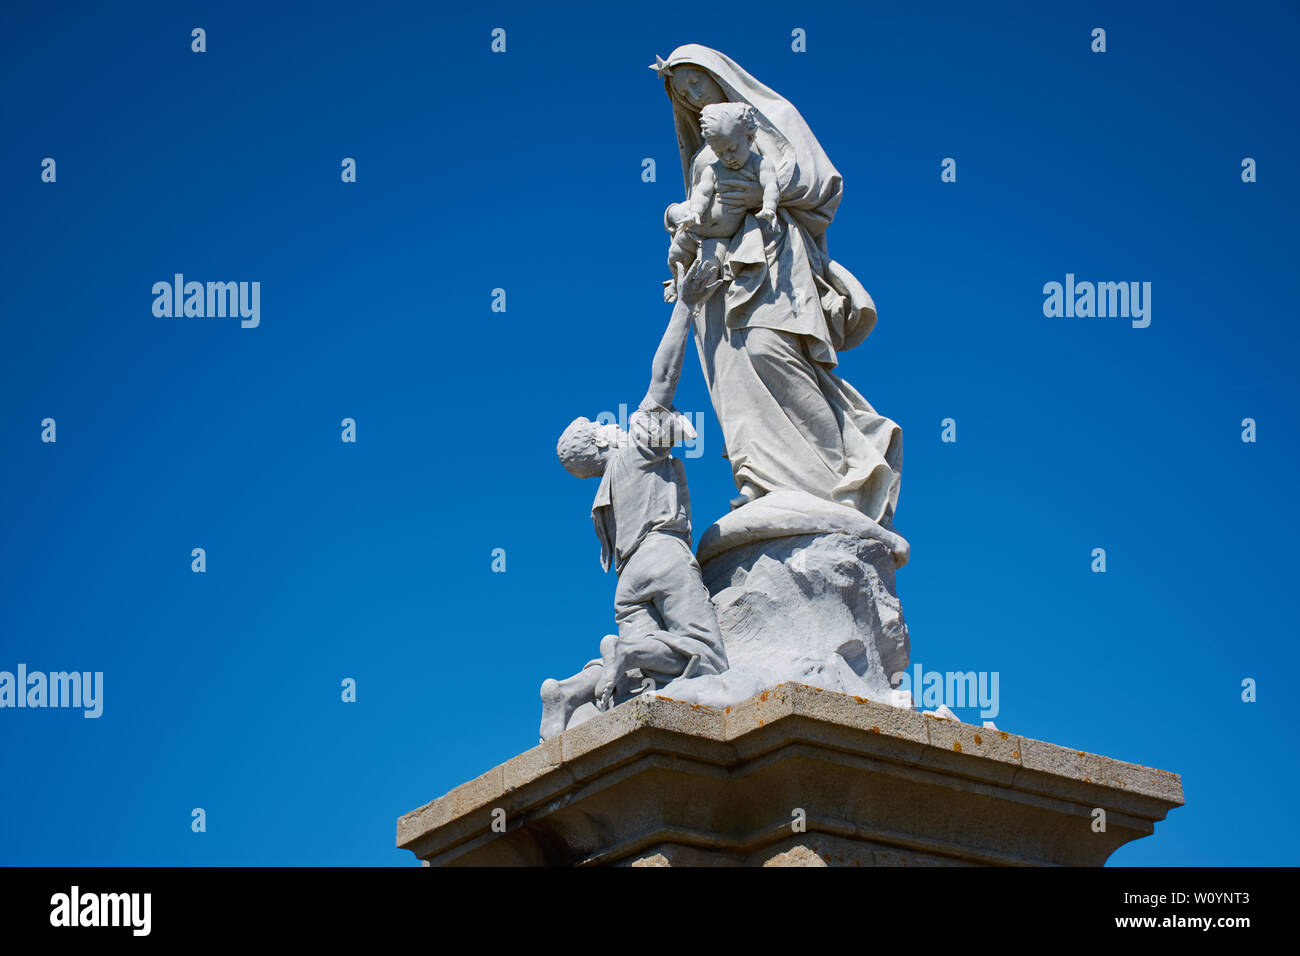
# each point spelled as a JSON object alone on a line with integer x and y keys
{"x": 794, "y": 776}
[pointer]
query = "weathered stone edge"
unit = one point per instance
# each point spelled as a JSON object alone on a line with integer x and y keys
{"x": 937, "y": 741}
{"x": 944, "y": 736}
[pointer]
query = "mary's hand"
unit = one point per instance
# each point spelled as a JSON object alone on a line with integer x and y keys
{"x": 739, "y": 197}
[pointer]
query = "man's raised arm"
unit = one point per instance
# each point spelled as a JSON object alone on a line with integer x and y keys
{"x": 693, "y": 289}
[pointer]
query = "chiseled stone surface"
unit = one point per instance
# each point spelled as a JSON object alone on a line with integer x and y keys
{"x": 804, "y": 593}
{"x": 795, "y": 776}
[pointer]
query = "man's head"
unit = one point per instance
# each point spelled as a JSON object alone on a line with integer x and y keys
{"x": 585, "y": 447}
{"x": 729, "y": 130}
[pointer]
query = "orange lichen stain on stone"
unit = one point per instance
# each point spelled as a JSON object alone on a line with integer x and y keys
{"x": 979, "y": 739}
{"x": 727, "y": 710}
{"x": 875, "y": 730}
{"x": 763, "y": 696}
{"x": 957, "y": 747}
{"x": 1081, "y": 753}
{"x": 1015, "y": 755}
{"x": 860, "y": 700}
{"x": 1004, "y": 734}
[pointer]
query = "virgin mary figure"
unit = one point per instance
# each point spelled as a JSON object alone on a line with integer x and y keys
{"x": 769, "y": 345}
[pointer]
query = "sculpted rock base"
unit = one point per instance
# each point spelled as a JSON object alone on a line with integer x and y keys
{"x": 804, "y": 593}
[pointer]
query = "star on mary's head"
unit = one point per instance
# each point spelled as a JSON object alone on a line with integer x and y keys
{"x": 660, "y": 66}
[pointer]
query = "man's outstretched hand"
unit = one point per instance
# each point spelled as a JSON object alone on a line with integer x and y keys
{"x": 695, "y": 285}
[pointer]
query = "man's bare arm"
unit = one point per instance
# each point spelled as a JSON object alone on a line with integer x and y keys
{"x": 693, "y": 289}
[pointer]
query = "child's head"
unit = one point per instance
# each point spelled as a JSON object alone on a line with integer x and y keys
{"x": 584, "y": 448}
{"x": 729, "y": 129}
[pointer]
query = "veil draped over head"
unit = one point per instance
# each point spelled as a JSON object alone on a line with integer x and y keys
{"x": 826, "y": 301}
{"x": 810, "y": 185}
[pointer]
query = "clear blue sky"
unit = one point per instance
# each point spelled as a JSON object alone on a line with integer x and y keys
{"x": 523, "y": 171}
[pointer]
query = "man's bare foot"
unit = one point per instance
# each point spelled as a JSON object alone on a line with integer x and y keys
{"x": 610, "y": 673}
{"x": 554, "y": 712}
{"x": 748, "y": 493}
{"x": 562, "y": 698}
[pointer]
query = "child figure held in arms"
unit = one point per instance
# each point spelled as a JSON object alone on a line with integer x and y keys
{"x": 728, "y": 130}
{"x": 642, "y": 513}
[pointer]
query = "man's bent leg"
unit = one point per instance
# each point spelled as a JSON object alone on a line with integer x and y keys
{"x": 686, "y": 609}
{"x": 635, "y": 647}
{"x": 666, "y": 621}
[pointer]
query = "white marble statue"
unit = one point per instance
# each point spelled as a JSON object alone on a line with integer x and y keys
{"x": 667, "y": 627}
{"x": 802, "y": 570}
{"x": 769, "y": 345}
{"x": 796, "y": 582}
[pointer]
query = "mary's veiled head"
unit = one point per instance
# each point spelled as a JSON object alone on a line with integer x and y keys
{"x": 695, "y": 76}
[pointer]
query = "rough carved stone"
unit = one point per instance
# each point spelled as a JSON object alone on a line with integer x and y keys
{"x": 804, "y": 593}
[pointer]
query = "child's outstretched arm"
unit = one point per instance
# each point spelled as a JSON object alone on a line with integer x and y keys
{"x": 694, "y": 286}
